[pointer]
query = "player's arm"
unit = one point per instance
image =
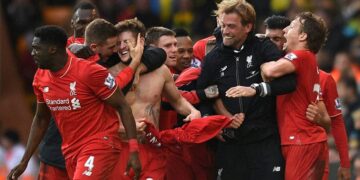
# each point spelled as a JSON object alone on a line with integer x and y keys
{"x": 331, "y": 99}
{"x": 221, "y": 109}
{"x": 339, "y": 132}
{"x": 171, "y": 93}
{"x": 275, "y": 69}
{"x": 152, "y": 59}
{"x": 237, "y": 119}
{"x": 117, "y": 101}
{"x": 282, "y": 85}
{"x": 317, "y": 113}
{"x": 38, "y": 129}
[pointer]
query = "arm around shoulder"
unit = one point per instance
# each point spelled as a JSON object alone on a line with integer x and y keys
{"x": 275, "y": 69}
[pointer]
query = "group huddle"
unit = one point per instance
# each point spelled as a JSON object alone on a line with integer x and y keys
{"x": 125, "y": 102}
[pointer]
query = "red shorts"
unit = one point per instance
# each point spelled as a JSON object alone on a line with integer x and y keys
{"x": 95, "y": 161}
{"x": 192, "y": 162}
{"x": 177, "y": 164}
{"x": 305, "y": 161}
{"x": 153, "y": 162}
{"x": 48, "y": 172}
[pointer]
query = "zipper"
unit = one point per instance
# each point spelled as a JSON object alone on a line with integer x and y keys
{"x": 238, "y": 84}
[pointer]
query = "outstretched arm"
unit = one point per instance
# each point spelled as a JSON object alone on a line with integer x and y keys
{"x": 171, "y": 92}
{"x": 275, "y": 69}
{"x": 38, "y": 129}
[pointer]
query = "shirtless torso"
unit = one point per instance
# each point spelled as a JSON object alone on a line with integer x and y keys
{"x": 144, "y": 97}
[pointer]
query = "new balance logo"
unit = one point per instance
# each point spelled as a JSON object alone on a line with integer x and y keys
{"x": 46, "y": 89}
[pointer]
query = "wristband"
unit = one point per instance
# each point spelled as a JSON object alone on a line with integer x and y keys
{"x": 263, "y": 89}
{"x": 256, "y": 86}
{"x": 133, "y": 145}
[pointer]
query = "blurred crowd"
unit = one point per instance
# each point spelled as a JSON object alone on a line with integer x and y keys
{"x": 340, "y": 56}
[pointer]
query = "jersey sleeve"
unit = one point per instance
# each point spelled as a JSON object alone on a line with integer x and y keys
{"x": 331, "y": 98}
{"x": 100, "y": 81}
{"x": 295, "y": 57}
{"x": 124, "y": 77}
{"x": 37, "y": 89}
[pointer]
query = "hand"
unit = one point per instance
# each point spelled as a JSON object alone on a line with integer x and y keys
{"x": 237, "y": 120}
{"x": 81, "y": 50}
{"x": 17, "y": 171}
{"x": 344, "y": 173}
{"x": 313, "y": 113}
{"x": 137, "y": 50}
{"x": 140, "y": 124}
{"x": 212, "y": 91}
{"x": 193, "y": 115}
{"x": 317, "y": 113}
{"x": 240, "y": 91}
{"x": 135, "y": 164}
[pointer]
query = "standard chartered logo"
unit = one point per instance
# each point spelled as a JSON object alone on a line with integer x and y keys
{"x": 63, "y": 104}
{"x": 75, "y": 103}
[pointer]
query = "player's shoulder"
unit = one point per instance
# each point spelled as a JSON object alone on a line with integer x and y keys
{"x": 41, "y": 75}
{"x": 86, "y": 65}
{"x": 326, "y": 77}
{"x": 297, "y": 54}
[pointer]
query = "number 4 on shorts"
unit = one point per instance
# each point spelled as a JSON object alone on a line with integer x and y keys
{"x": 90, "y": 163}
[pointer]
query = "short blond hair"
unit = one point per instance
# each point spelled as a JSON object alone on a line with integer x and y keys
{"x": 244, "y": 9}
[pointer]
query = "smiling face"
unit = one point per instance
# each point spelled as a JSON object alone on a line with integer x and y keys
{"x": 233, "y": 31}
{"x": 124, "y": 50}
{"x": 41, "y": 54}
{"x": 185, "y": 53}
{"x": 169, "y": 45}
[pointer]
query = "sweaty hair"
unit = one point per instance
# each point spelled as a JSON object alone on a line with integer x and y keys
{"x": 51, "y": 34}
{"x": 276, "y": 22}
{"x": 153, "y": 34}
{"x": 133, "y": 25}
{"x": 315, "y": 29}
{"x": 181, "y": 32}
{"x": 98, "y": 31}
{"x": 242, "y": 8}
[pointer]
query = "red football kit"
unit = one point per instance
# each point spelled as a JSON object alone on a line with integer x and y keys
{"x": 72, "y": 39}
{"x": 333, "y": 107}
{"x": 298, "y": 134}
{"x": 75, "y": 96}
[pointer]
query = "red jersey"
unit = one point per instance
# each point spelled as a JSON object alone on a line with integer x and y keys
{"x": 199, "y": 47}
{"x": 329, "y": 94}
{"x": 75, "y": 96}
{"x": 294, "y": 127}
{"x": 72, "y": 39}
